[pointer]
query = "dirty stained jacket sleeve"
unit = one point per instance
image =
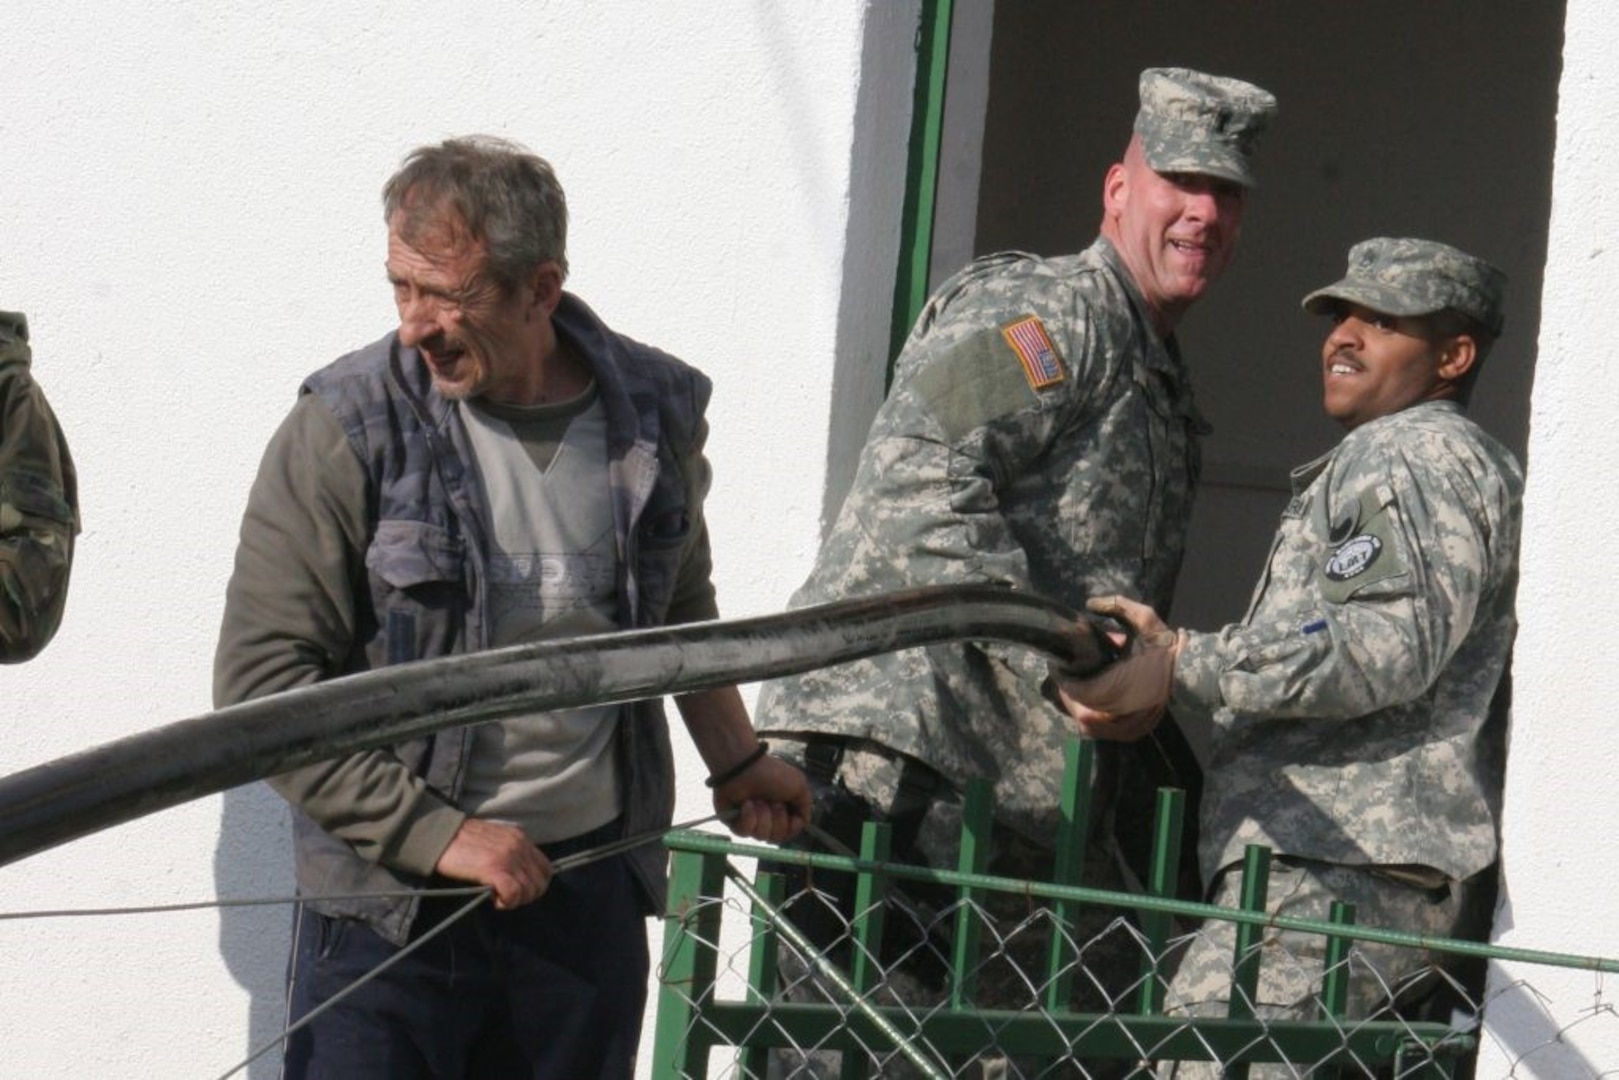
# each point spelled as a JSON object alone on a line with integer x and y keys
{"x": 960, "y": 424}
{"x": 290, "y": 620}
{"x": 38, "y": 504}
{"x": 1315, "y": 649}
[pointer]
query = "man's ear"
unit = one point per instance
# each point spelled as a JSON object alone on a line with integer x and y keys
{"x": 546, "y": 282}
{"x": 1115, "y": 190}
{"x": 1457, "y": 355}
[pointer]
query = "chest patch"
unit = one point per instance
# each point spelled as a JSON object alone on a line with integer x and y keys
{"x": 1029, "y": 340}
{"x": 1354, "y": 557}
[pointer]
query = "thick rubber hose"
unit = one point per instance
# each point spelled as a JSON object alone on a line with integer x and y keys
{"x": 119, "y": 781}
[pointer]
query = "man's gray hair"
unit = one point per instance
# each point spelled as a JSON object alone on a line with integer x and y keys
{"x": 505, "y": 196}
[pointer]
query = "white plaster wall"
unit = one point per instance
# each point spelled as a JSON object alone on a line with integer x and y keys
{"x": 189, "y": 215}
{"x": 1561, "y": 825}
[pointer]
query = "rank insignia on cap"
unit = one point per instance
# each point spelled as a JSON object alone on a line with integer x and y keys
{"x": 1041, "y": 364}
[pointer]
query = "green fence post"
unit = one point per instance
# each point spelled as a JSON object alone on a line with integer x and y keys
{"x": 1168, "y": 824}
{"x": 1068, "y": 868}
{"x": 763, "y": 972}
{"x": 870, "y": 918}
{"x": 680, "y": 1046}
{"x": 977, "y": 821}
{"x": 870, "y": 907}
{"x": 765, "y": 945}
{"x": 1335, "y": 975}
{"x": 1245, "y": 956}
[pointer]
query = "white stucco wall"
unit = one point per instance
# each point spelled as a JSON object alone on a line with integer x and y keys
{"x": 1561, "y": 845}
{"x": 189, "y": 216}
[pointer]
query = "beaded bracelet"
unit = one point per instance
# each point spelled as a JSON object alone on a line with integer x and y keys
{"x": 740, "y": 767}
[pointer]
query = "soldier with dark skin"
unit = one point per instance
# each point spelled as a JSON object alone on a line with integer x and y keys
{"x": 39, "y": 515}
{"x": 1358, "y": 726}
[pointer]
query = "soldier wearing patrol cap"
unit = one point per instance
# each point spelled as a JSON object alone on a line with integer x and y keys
{"x": 1040, "y": 434}
{"x": 39, "y": 514}
{"x": 1357, "y": 730}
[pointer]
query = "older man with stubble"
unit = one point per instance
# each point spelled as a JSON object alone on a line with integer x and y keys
{"x": 502, "y": 468}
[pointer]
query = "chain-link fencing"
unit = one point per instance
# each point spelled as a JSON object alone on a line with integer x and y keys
{"x": 814, "y": 965}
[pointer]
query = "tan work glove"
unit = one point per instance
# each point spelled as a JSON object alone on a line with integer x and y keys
{"x": 1127, "y": 699}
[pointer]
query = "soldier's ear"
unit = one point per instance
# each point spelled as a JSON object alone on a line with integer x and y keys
{"x": 1457, "y": 355}
{"x": 1115, "y": 190}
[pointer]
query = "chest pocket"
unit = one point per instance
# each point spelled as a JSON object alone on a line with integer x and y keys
{"x": 417, "y": 573}
{"x": 661, "y": 537}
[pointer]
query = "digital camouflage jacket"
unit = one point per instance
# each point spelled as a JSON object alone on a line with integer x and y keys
{"x": 1040, "y": 436}
{"x": 1353, "y": 704}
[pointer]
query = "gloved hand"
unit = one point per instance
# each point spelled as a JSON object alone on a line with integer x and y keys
{"x": 1127, "y": 699}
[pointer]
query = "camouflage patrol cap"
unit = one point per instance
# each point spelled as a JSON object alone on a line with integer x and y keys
{"x": 1190, "y": 122}
{"x": 1416, "y": 277}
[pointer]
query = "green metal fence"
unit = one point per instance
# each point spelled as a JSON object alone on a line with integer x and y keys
{"x": 746, "y": 992}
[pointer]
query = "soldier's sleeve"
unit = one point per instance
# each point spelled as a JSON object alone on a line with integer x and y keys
{"x": 986, "y": 383}
{"x": 1398, "y": 576}
{"x": 290, "y": 620}
{"x": 38, "y": 504}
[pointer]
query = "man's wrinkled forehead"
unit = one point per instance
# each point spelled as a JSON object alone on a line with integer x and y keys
{"x": 431, "y": 219}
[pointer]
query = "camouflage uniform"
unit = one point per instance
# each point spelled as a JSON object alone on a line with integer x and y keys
{"x": 1351, "y": 699}
{"x": 39, "y": 514}
{"x": 1354, "y": 729}
{"x": 1039, "y": 434}
{"x": 976, "y": 473}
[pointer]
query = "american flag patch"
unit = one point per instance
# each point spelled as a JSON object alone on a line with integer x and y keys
{"x": 1041, "y": 364}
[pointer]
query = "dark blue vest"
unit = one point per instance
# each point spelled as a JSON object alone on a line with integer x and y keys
{"x": 425, "y": 588}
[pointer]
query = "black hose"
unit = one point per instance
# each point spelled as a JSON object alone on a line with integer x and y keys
{"x": 95, "y": 789}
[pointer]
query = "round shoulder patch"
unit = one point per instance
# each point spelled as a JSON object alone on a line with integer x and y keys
{"x": 1354, "y": 557}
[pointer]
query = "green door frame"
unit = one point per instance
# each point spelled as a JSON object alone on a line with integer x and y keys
{"x": 921, "y": 174}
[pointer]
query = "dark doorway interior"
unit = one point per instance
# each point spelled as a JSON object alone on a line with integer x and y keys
{"x": 1397, "y": 119}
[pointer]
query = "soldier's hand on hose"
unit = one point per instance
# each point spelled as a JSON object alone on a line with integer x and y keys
{"x": 1126, "y": 700}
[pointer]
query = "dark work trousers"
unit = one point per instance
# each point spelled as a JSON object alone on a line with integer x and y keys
{"x": 552, "y": 990}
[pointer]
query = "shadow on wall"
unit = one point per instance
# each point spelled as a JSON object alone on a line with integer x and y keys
{"x": 254, "y": 860}
{"x": 1523, "y": 1022}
